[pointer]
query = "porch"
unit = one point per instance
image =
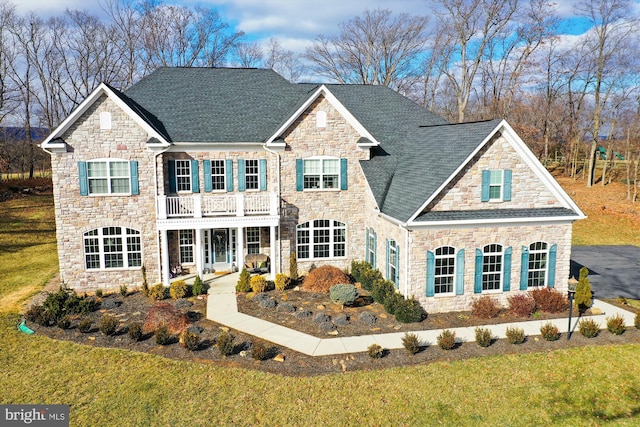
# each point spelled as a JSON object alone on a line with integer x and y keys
{"x": 202, "y": 206}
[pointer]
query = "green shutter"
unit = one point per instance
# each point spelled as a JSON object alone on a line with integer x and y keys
{"x": 366, "y": 245}
{"x": 552, "y": 266}
{"x": 477, "y": 283}
{"x": 486, "y": 178}
{"x": 299, "y": 175}
{"x": 84, "y": 182}
{"x": 506, "y": 281}
{"x": 208, "y": 185}
{"x": 397, "y": 278}
{"x": 431, "y": 278}
{"x": 229, "y": 173}
{"x": 133, "y": 169}
{"x": 524, "y": 269}
{"x": 460, "y": 272}
{"x": 375, "y": 249}
{"x": 195, "y": 181}
{"x": 263, "y": 174}
{"x": 241, "y": 181}
{"x": 343, "y": 174}
{"x": 506, "y": 190}
{"x": 172, "y": 176}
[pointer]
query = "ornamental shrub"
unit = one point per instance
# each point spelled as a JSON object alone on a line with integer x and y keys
{"x": 521, "y": 305}
{"x": 158, "y": 292}
{"x": 64, "y": 322}
{"x": 358, "y": 269}
{"x": 411, "y": 342}
{"x": 178, "y": 289}
{"x": 258, "y": 284}
{"x": 392, "y": 301}
{"x": 409, "y": 311}
{"x": 375, "y": 351}
{"x": 615, "y": 324}
{"x": 198, "y": 286}
{"x": 583, "y": 291}
{"x": 382, "y": 289}
{"x": 293, "y": 268}
{"x": 447, "y": 339}
{"x": 550, "y": 300}
{"x": 244, "y": 284}
{"x": 84, "y": 325}
{"x": 282, "y": 282}
{"x": 485, "y": 307}
{"x": 549, "y": 332}
{"x": 259, "y": 350}
{"x": 163, "y": 335}
{"x": 190, "y": 340}
{"x": 165, "y": 314}
{"x": 484, "y": 336}
{"x": 123, "y": 290}
{"x": 108, "y": 324}
{"x": 145, "y": 285}
{"x": 321, "y": 279}
{"x": 224, "y": 343}
{"x": 589, "y": 328}
{"x": 515, "y": 335}
{"x": 135, "y": 331}
{"x": 343, "y": 293}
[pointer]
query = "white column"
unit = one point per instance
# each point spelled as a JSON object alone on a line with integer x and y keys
{"x": 166, "y": 268}
{"x": 199, "y": 253}
{"x": 272, "y": 245}
{"x": 240, "y": 248}
{"x": 162, "y": 207}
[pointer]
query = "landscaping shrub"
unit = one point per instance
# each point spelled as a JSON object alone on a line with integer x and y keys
{"x": 190, "y": 340}
{"x": 123, "y": 290}
{"x": 224, "y": 343}
{"x": 583, "y": 291}
{"x": 367, "y": 318}
{"x": 259, "y": 350}
{"x": 163, "y": 335}
{"x": 157, "y": 292}
{"x": 99, "y": 293}
{"x": 244, "y": 284}
{"x": 411, "y": 342}
{"x": 198, "y": 286}
{"x": 485, "y": 307}
{"x": 446, "y": 340}
{"x": 409, "y": 311}
{"x": 549, "y": 332}
{"x": 84, "y": 325}
{"x": 549, "y": 300}
{"x": 88, "y": 305}
{"x": 636, "y": 320}
{"x": 615, "y": 324}
{"x": 392, "y": 301}
{"x": 293, "y": 268}
{"x": 344, "y": 294}
{"x": 358, "y": 268}
{"x": 62, "y": 303}
{"x": 64, "y": 322}
{"x": 282, "y": 282}
{"x": 145, "y": 285}
{"x": 258, "y": 283}
{"x": 589, "y": 328}
{"x": 135, "y": 331}
{"x": 381, "y": 290}
{"x": 37, "y": 314}
{"x": 521, "y": 305}
{"x": 165, "y": 314}
{"x": 321, "y": 279}
{"x": 178, "y": 289}
{"x": 484, "y": 336}
{"x": 375, "y": 351}
{"x": 515, "y": 335}
{"x": 108, "y": 324}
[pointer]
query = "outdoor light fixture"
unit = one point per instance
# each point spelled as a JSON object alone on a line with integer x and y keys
{"x": 572, "y": 286}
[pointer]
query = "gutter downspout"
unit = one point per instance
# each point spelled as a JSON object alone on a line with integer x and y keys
{"x": 406, "y": 263}
{"x": 277, "y": 242}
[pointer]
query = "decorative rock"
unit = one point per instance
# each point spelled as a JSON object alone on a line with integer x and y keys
{"x": 267, "y": 303}
{"x": 320, "y": 307}
{"x": 383, "y": 315}
{"x": 183, "y": 303}
{"x": 596, "y": 311}
{"x": 92, "y": 338}
{"x": 286, "y": 307}
{"x": 224, "y": 329}
{"x": 327, "y": 327}
{"x": 321, "y": 318}
{"x": 243, "y": 353}
{"x": 195, "y": 329}
{"x": 279, "y": 358}
{"x": 341, "y": 320}
{"x": 297, "y": 288}
{"x": 303, "y": 314}
{"x": 334, "y": 332}
{"x": 109, "y": 304}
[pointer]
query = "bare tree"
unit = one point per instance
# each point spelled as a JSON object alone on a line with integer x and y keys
{"x": 128, "y": 30}
{"x": 249, "y": 54}
{"x": 284, "y": 62}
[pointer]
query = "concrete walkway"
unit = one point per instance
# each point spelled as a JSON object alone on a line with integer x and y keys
{"x": 222, "y": 308}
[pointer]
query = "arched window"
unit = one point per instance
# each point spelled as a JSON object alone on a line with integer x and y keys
{"x": 321, "y": 238}
{"x": 492, "y": 267}
{"x": 538, "y": 261}
{"x": 444, "y": 273}
{"x": 112, "y": 247}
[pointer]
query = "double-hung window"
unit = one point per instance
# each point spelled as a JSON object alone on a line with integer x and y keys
{"x": 370, "y": 255}
{"x": 492, "y": 267}
{"x": 538, "y": 255}
{"x": 253, "y": 240}
{"x": 112, "y": 247}
{"x": 321, "y": 174}
{"x": 185, "y": 239}
{"x": 183, "y": 175}
{"x": 108, "y": 176}
{"x": 496, "y": 185}
{"x": 444, "y": 272}
{"x": 218, "y": 175}
{"x": 321, "y": 238}
{"x": 251, "y": 174}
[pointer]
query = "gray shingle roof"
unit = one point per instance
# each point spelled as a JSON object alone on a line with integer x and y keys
{"x": 477, "y": 214}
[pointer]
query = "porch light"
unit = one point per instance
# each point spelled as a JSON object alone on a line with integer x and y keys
{"x": 572, "y": 286}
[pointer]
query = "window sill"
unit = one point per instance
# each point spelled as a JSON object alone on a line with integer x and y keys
{"x": 106, "y": 270}
{"x": 109, "y": 195}
{"x": 320, "y": 190}
{"x": 322, "y": 259}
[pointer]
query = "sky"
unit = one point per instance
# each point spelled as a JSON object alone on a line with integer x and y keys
{"x": 296, "y": 23}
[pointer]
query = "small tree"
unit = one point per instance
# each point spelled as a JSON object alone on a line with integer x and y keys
{"x": 293, "y": 268}
{"x": 583, "y": 291}
{"x": 145, "y": 285}
{"x": 243, "y": 281}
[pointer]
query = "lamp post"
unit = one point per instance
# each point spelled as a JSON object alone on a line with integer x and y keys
{"x": 572, "y": 286}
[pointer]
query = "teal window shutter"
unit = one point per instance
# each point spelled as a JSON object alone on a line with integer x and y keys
{"x": 195, "y": 181}
{"x": 343, "y": 174}
{"x": 229, "y": 174}
{"x": 263, "y": 174}
{"x": 172, "y": 176}
{"x": 486, "y": 176}
{"x": 84, "y": 182}
{"x": 397, "y": 278}
{"x": 208, "y": 185}
{"x": 133, "y": 169}
{"x": 299, "y": 175}
{"x": 375, "y": 249}
{"x": 506, "y": 282}
{"x": 386, "y": 264}
{"x": 241, "y": 181}
{"x": 552, "y": 266}
{"x": 366, "y": 245}
{"x": 506, "y": 190}
{"x": 524, "y": 269}
{"x": 477, "y": 283}
{"x": 460, "y": 272}
{"x": 431, "y": 278}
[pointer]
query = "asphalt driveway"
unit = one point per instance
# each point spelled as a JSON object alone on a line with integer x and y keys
{"x": 613, "y": 270}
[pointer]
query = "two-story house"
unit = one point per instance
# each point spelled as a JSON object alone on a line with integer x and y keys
{"x": 199, "y": 167}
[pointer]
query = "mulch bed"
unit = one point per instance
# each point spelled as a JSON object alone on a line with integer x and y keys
{"x": 134, "y": 307}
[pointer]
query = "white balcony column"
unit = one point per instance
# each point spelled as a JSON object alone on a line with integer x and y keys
{"x": 162, "y": 207}
{"x": 240, "y": 204}
{"x": 197, "y": 206}
{"x": 199, "y": 252}
{"x": 272, "y": 246}
{"x": 240, "y": 248}
{"x": 164, "y": 257}
{"x": 273, "y": 204}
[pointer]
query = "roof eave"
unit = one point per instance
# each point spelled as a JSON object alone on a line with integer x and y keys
{"x": 496, "y": 221}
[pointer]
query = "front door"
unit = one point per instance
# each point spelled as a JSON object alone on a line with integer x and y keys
{"x": 220, "y": 242}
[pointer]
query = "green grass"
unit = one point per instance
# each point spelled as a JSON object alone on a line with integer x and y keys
{"x": 582, "y": 386}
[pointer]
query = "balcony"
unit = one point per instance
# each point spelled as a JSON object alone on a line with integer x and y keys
{"x": 202, "y": 206}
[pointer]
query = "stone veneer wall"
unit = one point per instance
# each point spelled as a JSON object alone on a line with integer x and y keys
{"x": 77, "y": 214}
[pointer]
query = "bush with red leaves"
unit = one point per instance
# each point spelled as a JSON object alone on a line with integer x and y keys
{"x": 521, "y": 305}
{"x": 166, "y": 314}
{"x": 550, "y": 300}
{"x": 321, "y": 279}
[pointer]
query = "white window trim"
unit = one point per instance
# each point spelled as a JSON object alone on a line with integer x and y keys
{"x": 321, "y": 174}
{"x": 108, "y": 177}
{"x": 247, "y": 174}
{"x": 101, "y": 246}
{"x": 252, "y": 241}
{"x": 501, "y": 198}
{"x": 224, "y": 176}
{"x": 501, "y": 272}
{"x": 546, "y": 260}
{"x": 181, "y": 245}
{"x": 178, "y": 176}
{"x": 372, "y": 246}
{"x": 311, "y": 227}
{"x": 455, "y": 270}
{"x": 393, "y": 247}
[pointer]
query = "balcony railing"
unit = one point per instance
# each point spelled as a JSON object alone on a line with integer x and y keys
{"x": 199, "y": 206}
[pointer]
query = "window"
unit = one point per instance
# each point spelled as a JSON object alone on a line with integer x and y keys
{"x": 218, "y": 175}
{"x": 491, "y": 267}
{"x": 370, "y": 255}
{"x": 251, "y": 174}
{"x": 108, "y": 177}
{"x": 321, "y": 238}
{"x": 186, "y": 246}
{"x": 321, "y": 173}
{"x": 444, "y": 272}
{"x": 538, "y": 254}
{"x": 112, "y": 247}
{"x": 253, "y": 240}
{"x": 496, "y": 185}
{"x": 392, "y": 261}
{"x": 183, "y": 175}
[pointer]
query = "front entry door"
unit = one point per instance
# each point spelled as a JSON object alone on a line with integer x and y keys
{"x": 221, "y": 245}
